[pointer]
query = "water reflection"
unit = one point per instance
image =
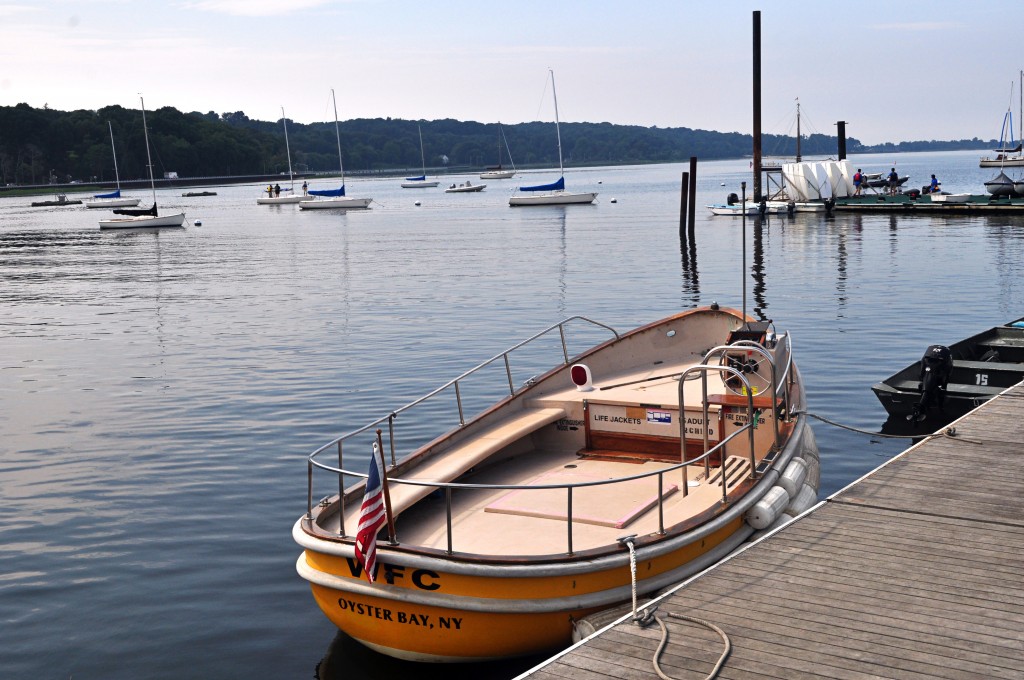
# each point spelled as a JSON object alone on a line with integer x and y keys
{"x": 690, "y": 287}
{"x": 757, "y": 271}
{"x": 346, "y": 658}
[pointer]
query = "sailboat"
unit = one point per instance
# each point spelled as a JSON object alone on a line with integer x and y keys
{"x": 421, "y": 181}
{"x": 333, "y": 199}
{"x": 1001, "y": 185}
{"x": 1009, "y": 155}
{"x": 114, "y": 198}
{"x": 554, "y": 193}
{"x": 291, "y": 197}
{"x": 499, "y": 172}
{"x": 143, "y": 218}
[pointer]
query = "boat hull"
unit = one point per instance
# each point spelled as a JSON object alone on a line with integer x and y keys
{"x": 983, "y": 365}
{"x": 419, "y": 185}
{"x": 144, "y": 222}
{"x": 1009, "y": 162}
{"x": 340, "y": 203}
{"x": 469, "y": 612}
{"x": 279, "y": 200}
{"x": 557, "y": 198}
{"x": 465, "y": 190}
{"x": 505, "y": 569}
{"x": 113, "y": 203}
{"x": 498, "y": 174}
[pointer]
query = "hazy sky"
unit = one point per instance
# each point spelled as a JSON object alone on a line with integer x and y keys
{"x": 895, "y": 71}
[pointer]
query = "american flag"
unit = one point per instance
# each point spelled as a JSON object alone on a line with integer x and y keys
{"x": 372, "y": 516}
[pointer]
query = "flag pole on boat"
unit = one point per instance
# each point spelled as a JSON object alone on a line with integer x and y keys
{"x": 387, "y": 492}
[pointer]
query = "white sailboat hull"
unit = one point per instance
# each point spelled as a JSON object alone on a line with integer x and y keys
{"x": 339, "y": 203}
{"x": 555, "y": 198}
{"x": 112, "y": 203}
{"x": 278, "y": 200}
{"x": 1007, "y": 162}
{"x": 498, "y": 174}
{"x": 420, "y": 185}
{"x": 143, "y": 222}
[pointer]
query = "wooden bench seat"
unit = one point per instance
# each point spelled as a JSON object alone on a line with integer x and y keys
{"x": 450, "y": 464}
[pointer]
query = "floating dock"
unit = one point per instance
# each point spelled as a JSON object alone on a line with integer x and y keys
{"x": 904, "y": 203}
{"x": 914, "y": 571}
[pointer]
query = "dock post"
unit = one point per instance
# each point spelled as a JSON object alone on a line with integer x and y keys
{"x": 683, "y": 205}
{"x": 693, "y": 196}
{"x": 841, "y": 136}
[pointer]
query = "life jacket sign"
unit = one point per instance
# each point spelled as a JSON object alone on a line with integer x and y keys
{"x": 646, "y": 420}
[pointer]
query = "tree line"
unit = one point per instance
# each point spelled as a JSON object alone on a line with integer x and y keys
{"x": 38, "y": 146}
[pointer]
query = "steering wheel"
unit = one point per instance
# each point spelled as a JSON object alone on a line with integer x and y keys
{"x": 754, "y": 366}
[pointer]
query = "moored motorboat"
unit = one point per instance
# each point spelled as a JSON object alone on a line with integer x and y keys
{"x": 503, "y": 531}
{"x": 949, "y": 381}
{"x": 466, "y": 187}
{"x": 58, "y": 200}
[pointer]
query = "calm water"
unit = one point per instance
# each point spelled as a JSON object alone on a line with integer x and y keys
{"x": 161, "y": 390}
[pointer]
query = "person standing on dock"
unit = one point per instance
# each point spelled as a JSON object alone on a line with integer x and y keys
{"x": 894, "y": 182}
{"x": 858, "y": 179}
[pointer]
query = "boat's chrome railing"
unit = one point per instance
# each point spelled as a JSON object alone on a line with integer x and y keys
{"x": 777, "y": 391}
{"x": 449, "y": 487}
{"x": 703, "y": 369}
{"x": 391, "y": 417}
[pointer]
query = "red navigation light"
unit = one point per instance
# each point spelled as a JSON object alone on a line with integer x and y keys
{"x": 581, "y": 377}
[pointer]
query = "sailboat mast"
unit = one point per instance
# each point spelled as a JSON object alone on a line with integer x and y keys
{"x": 505, "y": 139}
{"x": 337, "y": 133}
{"x": 287, "y": 149}
{"x": 558, "y": 130}
{"x": 798, "y": 129}
{"x": 117, "y": 177}
{"x": 423, "y": 160}
{"x": 149, "y": 159}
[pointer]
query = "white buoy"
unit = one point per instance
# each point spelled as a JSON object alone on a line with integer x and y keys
{"x": 723, "y": 184}
{"x": 417, "y": 202}
{"x": 198, "y": 223}
{"x": 615, "y": 200}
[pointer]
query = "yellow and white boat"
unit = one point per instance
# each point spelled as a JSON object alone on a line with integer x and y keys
{"x": 523, "y": 519}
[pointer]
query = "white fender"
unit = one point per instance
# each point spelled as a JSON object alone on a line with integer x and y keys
{"x": 768, "y": 509}
{"x": 793, "y": 476}
{"x": 806, "y": 497}
{"x": 813, "y": 479}
{"x": 782, "y": 521}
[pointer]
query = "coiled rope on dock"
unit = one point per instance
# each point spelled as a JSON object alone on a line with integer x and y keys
{"x": 644, "y": 619}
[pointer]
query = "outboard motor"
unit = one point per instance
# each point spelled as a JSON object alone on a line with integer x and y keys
{"x": 732, "y": 199}
{"x": 936, "y": 367}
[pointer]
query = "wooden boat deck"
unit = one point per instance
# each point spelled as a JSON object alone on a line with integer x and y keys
{"x": 517, "y": 522}
{"x": 914, "y": 571}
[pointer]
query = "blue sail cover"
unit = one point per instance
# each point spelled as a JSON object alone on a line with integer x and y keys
{"x": 421, "y": 178}
{"x": 113, "y": 194}
{"x": 554, "y": 186}
{"x": 329, "y": 192}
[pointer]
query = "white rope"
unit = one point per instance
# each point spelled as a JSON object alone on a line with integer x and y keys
{"x": 644, "y": 620}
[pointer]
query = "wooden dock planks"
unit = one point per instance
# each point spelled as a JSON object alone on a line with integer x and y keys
{"x": 915, "y": 571}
